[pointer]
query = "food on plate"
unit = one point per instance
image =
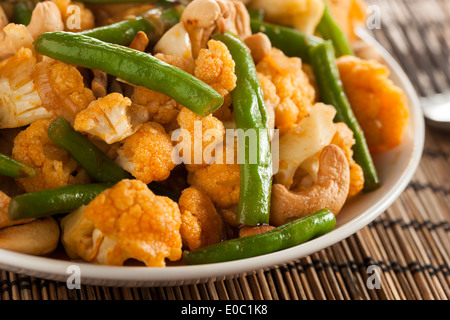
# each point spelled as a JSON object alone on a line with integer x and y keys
{"x": 192, "y": 132}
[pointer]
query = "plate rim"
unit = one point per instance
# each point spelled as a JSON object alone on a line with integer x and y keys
{"x": 92, "y": 274}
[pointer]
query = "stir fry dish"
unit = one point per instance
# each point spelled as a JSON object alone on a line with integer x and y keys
{"x": 166, "y": 133}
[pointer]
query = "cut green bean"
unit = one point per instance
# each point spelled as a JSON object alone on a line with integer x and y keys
{"x": 292, "y": 42}
{"x": 330, "y": 30}
{"x": 54, "y": 201}
{"x": 153, "y": 22}
{"x": 89, "y": 156}
{"x": 122, "y": 32}
{"x": 282, "y": 237}
{"x": 133, "y": 66}
{"x": 22, "y": 13}
{"x": 251, "y": 117}
{"x": 15, "y": 169}
{"x": 331, "y": 92}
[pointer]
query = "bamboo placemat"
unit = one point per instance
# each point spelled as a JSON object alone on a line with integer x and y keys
{"x": 409, "y": 243}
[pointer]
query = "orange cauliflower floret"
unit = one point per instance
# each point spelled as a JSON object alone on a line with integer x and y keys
{"x": 344, "y": 139}
{"x": 127, "y": 221}
{"x": 201, "y": 225}
{"x": 287, "y": 86}
{"x": 20, "y": 103}
{"x": 219, "y": 181}
{"x": 75, "y": 15}
{"x": 111, "y": 118}
{"x": 161, "y": 108}
{"x": 147, "y": 154}
{"x": 215, "y": 67}
{"x": 199, "y": 138}
{"x": 61, "y": 88}
{"x": 54, "y": 166}
{"x": 13, "y": 37}
{"x": 380, "y": 106}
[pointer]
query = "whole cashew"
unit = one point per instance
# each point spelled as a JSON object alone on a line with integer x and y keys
{"x": 38, "y": 237}
{"x": 259, "y": 45}
{"x": 330, "y": 191}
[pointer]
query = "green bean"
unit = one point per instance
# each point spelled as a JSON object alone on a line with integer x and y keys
{"x": 133, "y": 66}
{"x": 282, "y": 237}
{"x": 256, "y": 14}
{"x": 22, "y": 13}
{"x": 89, "y": 156}
{"x": 54, "y": 201}
{"x": 292, "y": 42}
{"x": 13, "y": 168}
{"x": 330, "y": 30}
{"x": 331, "y": 92}
{"x": 153, "y": 22}
{"x": 250, "y": 116}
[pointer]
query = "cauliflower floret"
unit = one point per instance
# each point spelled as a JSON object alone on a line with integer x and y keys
{"x": 111, "y": 118}
{"x": 45, "y": 18}
{"x": 380, "y": 106}
{"x": 219, "y": 181}
{"x": 13, "y": 37}
{"x": 147, "y": 154}
{"x": 304, "y": 141}
{"x": 348, "y": 14}
{"x": 304, "y": 15}
{"x": 201, "y": 225}
{"x": 127, "y": 221}
{"x": 199, "y": 138}
{"x": 285, "y": 86}
{"x": 61, "y": 88}
{"x": 344, "y": 139}
{"x": 54, "y": 166}
{"x": 162, "y": 109}
{"x": 75, "y": 15}
{"x": 20, "y": 103}
{"x": 215, "y": 67}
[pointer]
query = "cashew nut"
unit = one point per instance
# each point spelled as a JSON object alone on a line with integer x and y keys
{"x": 37, "y": 238}
{"x": 259, "y": 45}
{"x": 140, "y": 41}
{"x": 330, "y": 191}
{"x": 46, "y": 17}
{"x": 99, "y": 83}
{"x": 202, "y": 17}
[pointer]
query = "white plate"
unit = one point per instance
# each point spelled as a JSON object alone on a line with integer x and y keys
{"x": 395, "y": 169}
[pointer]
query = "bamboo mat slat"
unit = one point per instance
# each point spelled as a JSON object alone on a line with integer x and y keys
{"x": 409, "y": 242}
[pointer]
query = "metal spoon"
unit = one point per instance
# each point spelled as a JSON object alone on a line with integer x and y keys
{"x": 436, "y": 110}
